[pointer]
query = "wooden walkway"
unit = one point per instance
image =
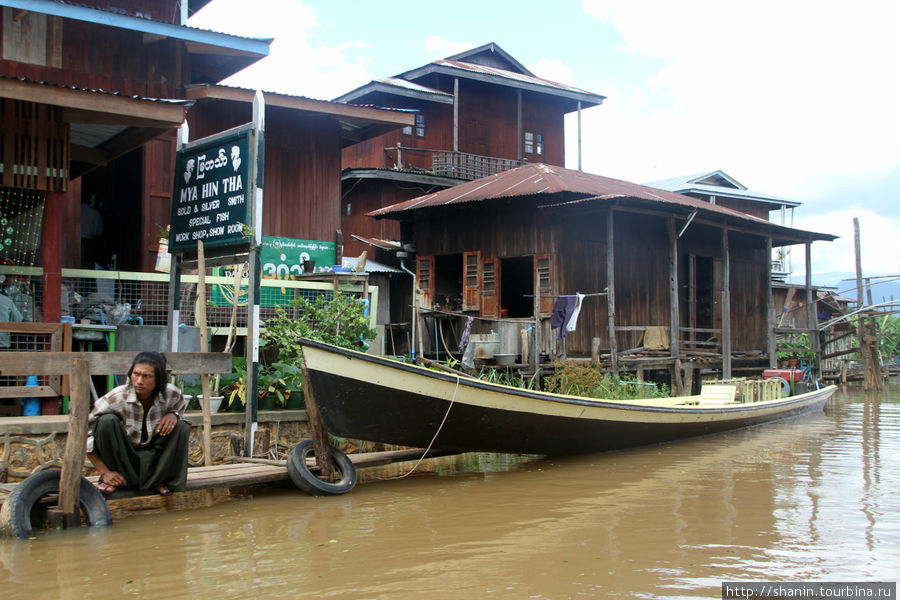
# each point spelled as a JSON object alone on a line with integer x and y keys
{"x": 255, "y": 471}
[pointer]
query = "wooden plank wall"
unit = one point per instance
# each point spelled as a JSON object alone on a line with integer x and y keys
{"x": 302, "y": 171}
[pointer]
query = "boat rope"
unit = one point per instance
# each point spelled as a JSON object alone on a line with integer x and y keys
{"x": 431, "y": 443}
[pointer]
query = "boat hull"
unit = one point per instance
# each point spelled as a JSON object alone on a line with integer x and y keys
{"x": 372, "y": 398}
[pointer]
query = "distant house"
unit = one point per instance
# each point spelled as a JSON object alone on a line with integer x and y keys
{"x": 717, "y": 187}
{"x": 672, "y": 283}
{"x": 477, "y": 113}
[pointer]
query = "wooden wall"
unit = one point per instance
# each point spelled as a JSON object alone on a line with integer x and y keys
{"x": 88, "y": 55}
{"x": 576, "y": 241}
{"x": 302, "y": 170}
{"x": 487, "y": 126}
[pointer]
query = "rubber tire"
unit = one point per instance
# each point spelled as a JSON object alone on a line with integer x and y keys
{"x": 305, "y": 480}
{"x": 785, "y": 386}
{"x": 15, "y": 516}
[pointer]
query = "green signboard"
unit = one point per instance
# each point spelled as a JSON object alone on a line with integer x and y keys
{"x": 211, "y": 200}
{"x": 281, "y": 259}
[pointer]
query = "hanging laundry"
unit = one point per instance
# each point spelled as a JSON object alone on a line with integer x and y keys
{"x": 562, "y": 311}
{"x": 573, "y": 319}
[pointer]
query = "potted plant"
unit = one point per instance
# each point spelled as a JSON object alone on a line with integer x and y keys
{"x": 794, "y": 348}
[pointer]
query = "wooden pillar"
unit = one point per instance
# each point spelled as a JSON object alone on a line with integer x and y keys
{"x": 812, "y": 320}
{"x": 770, "y": 309}
{"x": 726, "y": 306}
{"x": 611, "y": 290}
{"x": 51, "y": 253}
{"x": 73, "y": 459}
{"x": 579, "y": 135}
{"x": 455, "y": 114}
{"x": 519, "y": 134}
{"x": 316, "y": 428}
{"x": 674, "y": 309}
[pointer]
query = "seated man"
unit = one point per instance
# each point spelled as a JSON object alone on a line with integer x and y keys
{"x": 137, "y": 437}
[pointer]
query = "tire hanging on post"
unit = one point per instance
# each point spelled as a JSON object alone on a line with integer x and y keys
{"x": 307, "y": 481}
{"x": 16, "y": 515}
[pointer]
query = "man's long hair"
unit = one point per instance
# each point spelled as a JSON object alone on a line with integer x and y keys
{"x": 158, "y": 362}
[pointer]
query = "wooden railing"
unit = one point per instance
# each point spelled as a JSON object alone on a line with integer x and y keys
{"x": 448, "y": 163}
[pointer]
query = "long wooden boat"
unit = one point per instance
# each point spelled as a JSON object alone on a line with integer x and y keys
{"x": 373, "y": 398}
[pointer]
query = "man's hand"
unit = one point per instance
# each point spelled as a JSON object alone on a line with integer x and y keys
{"x": 166, "y": 425}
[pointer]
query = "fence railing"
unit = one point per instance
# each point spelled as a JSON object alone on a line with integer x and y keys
{"x": 117, "y": 297}
{"x": 449, "y": 163}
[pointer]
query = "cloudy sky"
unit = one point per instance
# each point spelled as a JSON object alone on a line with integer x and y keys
{"x": 796, "y": 98}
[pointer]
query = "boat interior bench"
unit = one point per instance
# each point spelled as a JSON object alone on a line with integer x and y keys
{"x": 718, "y": 394}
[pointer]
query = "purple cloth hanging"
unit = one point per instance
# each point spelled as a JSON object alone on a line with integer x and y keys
{"x": 562, "y": 310}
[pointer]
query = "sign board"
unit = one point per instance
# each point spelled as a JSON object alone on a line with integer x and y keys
{"x": 281, "y": 259}
{"x": 211, "y": 200}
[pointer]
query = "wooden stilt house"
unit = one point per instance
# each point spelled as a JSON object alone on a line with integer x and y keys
{"x": 670, "y": 282}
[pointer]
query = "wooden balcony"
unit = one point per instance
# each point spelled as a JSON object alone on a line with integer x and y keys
{"x": 447, "y": 163}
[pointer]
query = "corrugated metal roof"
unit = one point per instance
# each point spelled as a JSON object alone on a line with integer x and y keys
{"x": 695, "y": 184}
{"x": 540, "y": 179}
{"x": 534, "y": 179}
{"x": 520, "y": 77}
{"x": 409, "y": 85}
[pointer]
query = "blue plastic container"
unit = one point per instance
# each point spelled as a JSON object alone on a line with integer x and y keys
{"x": 31, "y": 407}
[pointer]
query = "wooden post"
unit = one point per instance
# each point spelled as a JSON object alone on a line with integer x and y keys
{"x": 812, "y": 319}
{"x": 204, "y": 378}
{"x": 770, "y": 309}
{"x": 317, "y": 428}
{"x": 611, "y": 291}
{"x": 595, "y": 349}
{"x": 73, "y": 459}
{"x": 726, "y": 306}
{"x": 674, "y": 314}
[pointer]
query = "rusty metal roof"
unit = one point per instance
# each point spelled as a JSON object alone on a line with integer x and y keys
{"x": 535, "y": 179}
{"x": 568, "y": 187}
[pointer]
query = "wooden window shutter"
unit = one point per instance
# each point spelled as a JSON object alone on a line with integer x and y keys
{"x": 471, "y": 280}
{"x": 490, "y": 288}
{"x": 543, "y": 273}
{"x": 425, "y": 280}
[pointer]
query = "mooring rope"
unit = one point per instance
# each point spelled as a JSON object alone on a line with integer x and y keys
{"x": 431, "y": 443}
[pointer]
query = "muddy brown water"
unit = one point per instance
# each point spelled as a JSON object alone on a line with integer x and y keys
{"x": 815, "y": 498}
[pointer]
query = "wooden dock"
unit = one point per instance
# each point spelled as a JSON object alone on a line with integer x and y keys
{"x": 255, "y": 471}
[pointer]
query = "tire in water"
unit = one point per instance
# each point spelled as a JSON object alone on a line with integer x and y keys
{"x": 306, "y": 480}
{"x": 15, "y": 517}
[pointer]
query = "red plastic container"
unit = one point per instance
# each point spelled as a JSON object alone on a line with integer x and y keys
{"x": 786, "y": 374}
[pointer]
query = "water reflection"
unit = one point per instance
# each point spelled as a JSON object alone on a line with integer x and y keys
{"x": 813, "y": 498}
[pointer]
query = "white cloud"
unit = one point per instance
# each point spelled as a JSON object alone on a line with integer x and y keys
{"x": 296, "y": 63}
{"x": 554, "y": 70}
{"x": 777, "y": 93}
{"x": 440, "y": 47}
{"x": 880, "y": 252}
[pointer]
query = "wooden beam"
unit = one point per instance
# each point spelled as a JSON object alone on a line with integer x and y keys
{"x": 611, "y": 290}
{"x": 770, "y": 309}
{"x": 110, "y": 363}
{"x": 317, "y": 428}
{"x": 73, "y": 459}
{"x": 345, "y": 112}
{"x": 726, "y": 307}
{"x": 674, "y": 314}
{"x": 163, "y": 114}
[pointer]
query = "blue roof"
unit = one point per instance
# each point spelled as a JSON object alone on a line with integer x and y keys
{"x": 719, "y": 184}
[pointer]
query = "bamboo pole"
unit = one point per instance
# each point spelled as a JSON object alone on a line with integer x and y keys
{"x": 73, "y": 459}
